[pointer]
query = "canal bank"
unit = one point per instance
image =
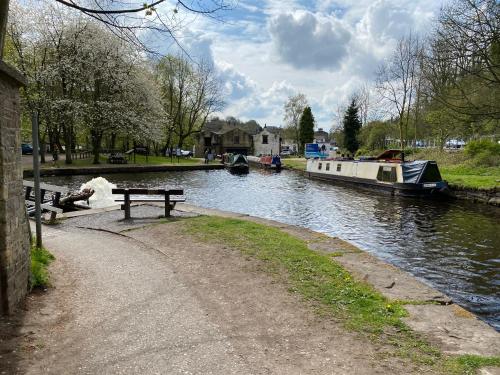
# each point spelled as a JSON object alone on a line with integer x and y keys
{"x": 98, "y": 170}
{"x": 229, "y": 310}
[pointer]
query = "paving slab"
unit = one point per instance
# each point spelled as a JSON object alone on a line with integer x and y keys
{"x": 455, "y": 329}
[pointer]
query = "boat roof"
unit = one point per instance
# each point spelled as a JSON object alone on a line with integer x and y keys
{"x": 389, "y": 154}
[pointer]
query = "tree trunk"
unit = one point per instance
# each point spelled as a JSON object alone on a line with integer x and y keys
{"x": 96, "y": 146}
{"x": 68, "y": 139}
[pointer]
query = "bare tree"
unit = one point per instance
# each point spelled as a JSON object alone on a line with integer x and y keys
{"x": 294, "y": 107}
{"x": 362, "y": 99}
{"x": 463, "y": 61}
{"x": 190, "y": 93}
{"x": 396, "y": 81}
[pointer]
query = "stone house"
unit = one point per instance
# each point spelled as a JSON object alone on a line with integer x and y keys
{"x": 224, "y": 139}
{"x": 267, "y": 141}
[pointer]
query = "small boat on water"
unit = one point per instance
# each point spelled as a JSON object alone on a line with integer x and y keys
{"x": 236, "y": 163}
{"x": 387, "y": 172}
{"x": 267, "y": 161}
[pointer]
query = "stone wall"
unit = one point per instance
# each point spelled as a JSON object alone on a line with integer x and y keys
{"x": 14, "y": 230}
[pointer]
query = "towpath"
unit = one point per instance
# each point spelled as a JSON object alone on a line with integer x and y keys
{"x": 150, "y": 301}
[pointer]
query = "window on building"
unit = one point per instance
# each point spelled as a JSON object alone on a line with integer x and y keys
{"x": 236, "y": 140}
{"x": 208, "y": 141}
{"x": 264, "y": 139}
{"x": 339, "y": 167}
{"x": 319, "y": 166}
{"x": 327, "y": 168}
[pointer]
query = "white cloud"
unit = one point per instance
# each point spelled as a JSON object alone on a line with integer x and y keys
{"x": 325, "y": 50}
{"x": 307, "y": 40}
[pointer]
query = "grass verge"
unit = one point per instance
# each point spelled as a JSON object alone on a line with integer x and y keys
{"x": 295, "y": 163}
{"x": 319, "y": 279}
{"x": 40, "y": 260}
{"x": 472, "y": 177}
{"x": 139, "y": 160}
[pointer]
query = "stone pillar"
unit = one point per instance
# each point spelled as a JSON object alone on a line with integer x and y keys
{"x": 14, "y": 235}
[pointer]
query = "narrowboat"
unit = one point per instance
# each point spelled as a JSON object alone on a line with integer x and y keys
{"x": 236, "y": 163}
{"x": 267, "y": 161}
{"x": 387, "y": 172}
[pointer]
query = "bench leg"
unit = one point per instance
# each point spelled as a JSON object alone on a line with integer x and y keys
{"x": 127, "y": 205}
{"x": 167, "y": 205}
{"x": 53, "y": 217}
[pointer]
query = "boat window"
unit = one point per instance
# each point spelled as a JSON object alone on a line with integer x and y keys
{"x": 339, "y": 167}
{"x": 264, "y": 139}
{"x": 431, "y": 173}
{"x": 327, "y": 166}
{"x": 387, "y": 174}
{"x": 319, "y": 166}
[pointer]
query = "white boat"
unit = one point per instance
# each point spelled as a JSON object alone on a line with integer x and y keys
{"x": 385, "y": 172}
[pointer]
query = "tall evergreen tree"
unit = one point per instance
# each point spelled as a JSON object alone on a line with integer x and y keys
{"x": 306, "y": 128}
{"x": 352, "y": 126}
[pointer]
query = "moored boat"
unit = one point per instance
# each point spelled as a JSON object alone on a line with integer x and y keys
{"x": 236, "y": 163}
{"x": 267, "y": 161}
{"x": 387, "y": 172}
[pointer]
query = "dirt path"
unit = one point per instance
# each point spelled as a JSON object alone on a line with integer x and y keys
{"x": 156, "y": 302}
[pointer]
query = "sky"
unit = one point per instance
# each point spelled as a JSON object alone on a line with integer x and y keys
{"x": 267, "y": 50}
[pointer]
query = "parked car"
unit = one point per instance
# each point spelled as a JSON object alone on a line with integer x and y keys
{"x": 26, "y": 149}
{"x": 186, "y": 153}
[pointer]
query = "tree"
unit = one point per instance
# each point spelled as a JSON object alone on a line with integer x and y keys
{"x": 396, "y": 81}
{"x": 306, "y": 128}
{"x": 463, "y": 61}
{"x": 190, "y": 93}
{"x": 352, "y": 126}
{"x": 293, "y": 108}
{"x": 362, "y": 98}
{"x": 129, "y": 22}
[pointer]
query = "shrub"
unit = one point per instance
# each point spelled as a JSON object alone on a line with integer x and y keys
{"x": 482, "y": 146}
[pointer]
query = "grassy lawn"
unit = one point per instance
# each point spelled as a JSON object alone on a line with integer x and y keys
{"x": 319, "y": 279}
{"x": 477, "y": 177}
{"x": 295, "y": 163}
{"x": 139, "y": 160}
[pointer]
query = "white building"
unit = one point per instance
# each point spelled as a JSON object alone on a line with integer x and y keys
{"x": 268, "y": 141}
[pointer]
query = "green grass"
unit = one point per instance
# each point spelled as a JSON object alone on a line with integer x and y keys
{"x": 472, "y": 177}
{"x": 295, "y": 163}
{"x": 468, "y": 364}
{"x": 40, "y": 260}
{"x": 330, "y": 288}
{"x": 139, "y": 160}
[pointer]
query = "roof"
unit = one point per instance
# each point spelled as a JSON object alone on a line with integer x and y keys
{"x": 222, "y": 127}
{"x": 389, "y": 154}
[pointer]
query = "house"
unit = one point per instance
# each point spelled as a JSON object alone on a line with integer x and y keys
{"x": 267, "y": 141}
{"x": 223, "y": 137}
{"x": 320, "y": 136}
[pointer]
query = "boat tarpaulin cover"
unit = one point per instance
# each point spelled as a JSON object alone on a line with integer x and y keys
{"x": 413, "y": 170}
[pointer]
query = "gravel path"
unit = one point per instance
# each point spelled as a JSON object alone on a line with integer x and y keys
{"x": 150, "y": 301}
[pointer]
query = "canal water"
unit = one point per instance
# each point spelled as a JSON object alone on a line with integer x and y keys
{"x": 454, "y": 246}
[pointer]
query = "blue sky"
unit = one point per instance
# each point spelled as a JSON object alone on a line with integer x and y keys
{"x": 267, "y": 50}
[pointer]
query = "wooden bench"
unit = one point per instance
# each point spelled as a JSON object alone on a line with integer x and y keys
{"x": 170, "y": 197}
{"x": 57, "y": 190}
{"x": 44, "y": 188}
{"x": 45, "y": 206}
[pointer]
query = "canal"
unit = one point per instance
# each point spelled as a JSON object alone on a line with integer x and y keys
{"x": 454, "y": 246}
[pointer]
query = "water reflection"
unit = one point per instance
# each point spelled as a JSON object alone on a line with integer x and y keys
{"x": 454, "y": 246}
